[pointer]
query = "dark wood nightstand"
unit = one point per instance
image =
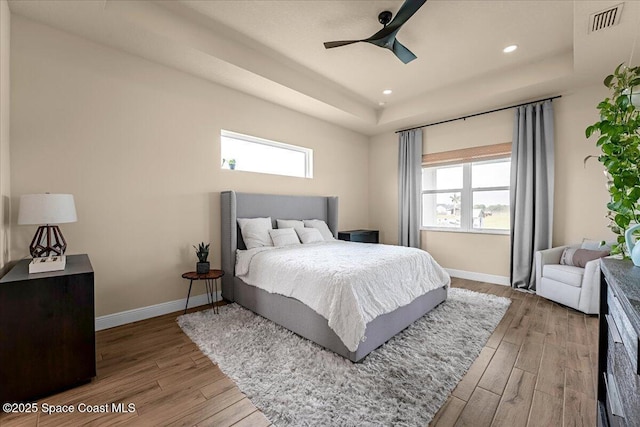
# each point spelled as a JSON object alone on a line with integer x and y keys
{"x": 47, "y": 330}
{"x": 210, "y": 282}
{"x": 362, "y": 236}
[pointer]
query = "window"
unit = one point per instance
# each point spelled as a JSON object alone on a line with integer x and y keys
{"x": 468, "y": 196}
{"x": 252, "y": 154}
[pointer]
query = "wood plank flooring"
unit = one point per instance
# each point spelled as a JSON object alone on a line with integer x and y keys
{"x": 537, "y": 369}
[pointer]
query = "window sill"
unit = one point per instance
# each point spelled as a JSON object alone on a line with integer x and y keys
{"x": 474, "y": 231}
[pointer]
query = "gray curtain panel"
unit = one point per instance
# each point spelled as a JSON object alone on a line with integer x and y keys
{"x": 409, "y": 187}
{"x": 532, "y": 162}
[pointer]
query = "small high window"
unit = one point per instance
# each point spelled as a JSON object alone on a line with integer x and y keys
{"x": 252, "y": 154}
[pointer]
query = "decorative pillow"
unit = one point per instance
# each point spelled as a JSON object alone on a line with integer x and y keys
{"x": 255, "y": 232}
{"x": 284, "y": 237}
{"x": 289, "y": 223}
{"x": 580, "y": 257}
{"x": 309, "y": 235}
{"x": 321, "y": 226}
{"x": 595, "y": 245}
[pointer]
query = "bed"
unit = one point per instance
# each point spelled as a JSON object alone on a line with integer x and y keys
{"x": 290, "y": 312}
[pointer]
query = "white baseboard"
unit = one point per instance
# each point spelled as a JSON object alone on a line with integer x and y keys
{"x": 142, "y": 313}
{"x": 480, "y": 277}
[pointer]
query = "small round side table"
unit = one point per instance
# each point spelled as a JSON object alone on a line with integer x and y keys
{"x": 211, "y": 283}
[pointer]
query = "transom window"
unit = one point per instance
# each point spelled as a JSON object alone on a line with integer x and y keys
{"x": 470, "y": 196}
{"x": 252, "y": 154}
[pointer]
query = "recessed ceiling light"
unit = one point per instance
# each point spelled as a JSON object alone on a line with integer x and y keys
{"x": 387, "y": 92}
{"x": 510, "y": 49}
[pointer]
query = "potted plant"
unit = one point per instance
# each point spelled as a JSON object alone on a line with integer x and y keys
{"x": 634, "y": 94}
{"x": 619, "y": 128}
{"x": 232, "y": 164}
{"x": 202, "y": 252}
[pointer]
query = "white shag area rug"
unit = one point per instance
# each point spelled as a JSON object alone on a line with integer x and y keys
{"x": 298, "y": 383}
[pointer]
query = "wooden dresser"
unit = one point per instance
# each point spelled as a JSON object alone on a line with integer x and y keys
{"x": 47, "y": 330}
{"x": 619, "y": 345}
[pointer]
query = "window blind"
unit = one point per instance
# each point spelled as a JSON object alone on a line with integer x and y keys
{"x": 485, "y": 152}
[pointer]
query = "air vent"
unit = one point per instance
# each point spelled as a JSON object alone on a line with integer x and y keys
{"x": 605, "y": 18}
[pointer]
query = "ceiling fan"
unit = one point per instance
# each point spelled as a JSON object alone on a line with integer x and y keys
{"x": 386, "y": 37}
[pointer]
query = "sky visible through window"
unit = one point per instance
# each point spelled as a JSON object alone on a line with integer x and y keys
{"x": 486, "y": 192}
{"x": 262, "y": 156}
{"x": 483, "y": 175}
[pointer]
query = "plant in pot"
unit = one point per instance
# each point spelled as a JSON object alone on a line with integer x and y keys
{"x": 232, "y": 164}
{"x": 619, "y": 129}
{"x": 202, "y": 252}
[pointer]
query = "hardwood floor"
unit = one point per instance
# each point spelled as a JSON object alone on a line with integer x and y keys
{"x": 537, "y": 369}
{"x": 153, "y": 365}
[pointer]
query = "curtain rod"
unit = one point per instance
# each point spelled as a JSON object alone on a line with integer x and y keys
{"x": 480, "y": 114}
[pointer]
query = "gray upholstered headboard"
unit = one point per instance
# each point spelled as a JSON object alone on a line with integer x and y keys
{"x": 246, "y": 205}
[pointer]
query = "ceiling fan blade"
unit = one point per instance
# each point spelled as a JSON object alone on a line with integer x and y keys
{"x": 329, "y": 45}
{"x": 404, "y": 54}
{"x": 406, "y": 11}
{"x": 386, "y": 36}
{"x": 383, "y": 37}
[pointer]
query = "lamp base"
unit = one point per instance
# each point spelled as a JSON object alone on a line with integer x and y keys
{"x": 47, "y": 241}
{"x": 52, "y": 263}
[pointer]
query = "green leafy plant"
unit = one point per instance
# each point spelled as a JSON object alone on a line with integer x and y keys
{"x": 202, "y": 251}
{"x": 619, "y": 141}
{"x": 231, "y": 163}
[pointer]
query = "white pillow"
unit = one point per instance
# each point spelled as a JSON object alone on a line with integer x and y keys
{"x": 289, "y": 223}
{"x": 284, "y": 237}
{"x": 309, "y": 235}
{"x": 321, "y": 226}
{"x": 595, "y": 245}
{"x": 255, "y": 232}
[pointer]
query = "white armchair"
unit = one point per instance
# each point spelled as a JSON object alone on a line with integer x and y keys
{"x": 575, "y": 287}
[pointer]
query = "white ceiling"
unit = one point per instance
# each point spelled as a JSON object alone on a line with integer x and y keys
{"x": 274, "y": 50}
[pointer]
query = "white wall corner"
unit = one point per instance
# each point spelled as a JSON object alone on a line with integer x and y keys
{"x": 142, "y": 313}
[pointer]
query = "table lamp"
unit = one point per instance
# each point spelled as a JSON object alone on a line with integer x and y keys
{"x": 45, "y": 210}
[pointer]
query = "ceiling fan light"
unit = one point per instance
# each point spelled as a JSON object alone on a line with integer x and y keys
{"x": 510, "y": 48}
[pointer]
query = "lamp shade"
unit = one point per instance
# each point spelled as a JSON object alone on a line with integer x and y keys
{"x": 47, "y": 209}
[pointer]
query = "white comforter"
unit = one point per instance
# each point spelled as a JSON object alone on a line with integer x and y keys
{"x": 347, "y": 283}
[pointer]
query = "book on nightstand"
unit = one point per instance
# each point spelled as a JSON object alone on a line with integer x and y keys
{"x": 50, "y": 263}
